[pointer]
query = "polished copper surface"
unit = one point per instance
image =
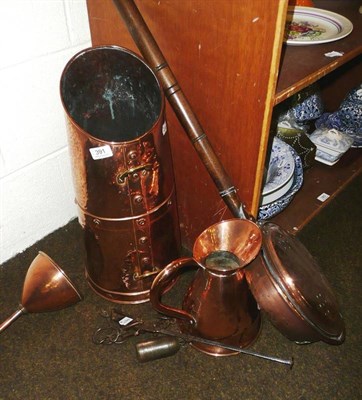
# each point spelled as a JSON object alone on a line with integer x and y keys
{"x": 239, "y": 237}
{"x": 46, "y": 288}
{"x": 290, "y": 287}
{"x": 218, "y": 304}
{"x": 122, "y": 170}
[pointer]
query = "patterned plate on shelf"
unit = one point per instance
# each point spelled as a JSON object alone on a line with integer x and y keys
{"x": 280, "y": 172}
{"x": 274, "y": 208}
{"x": 309, "y": 25}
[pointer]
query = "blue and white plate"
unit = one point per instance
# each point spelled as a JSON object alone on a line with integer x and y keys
{"x": 274, "y": 208}
{"x": 280, "y": 172}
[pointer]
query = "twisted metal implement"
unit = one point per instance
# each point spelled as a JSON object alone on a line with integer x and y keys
{"x": 116, "y": 332}
{"x": 125, "y": 327}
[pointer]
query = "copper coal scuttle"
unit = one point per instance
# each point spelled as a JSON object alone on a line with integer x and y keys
{"x": 122, "y": 170}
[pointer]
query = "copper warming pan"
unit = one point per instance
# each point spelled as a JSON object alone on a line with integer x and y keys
{"x": 285, "y": 279}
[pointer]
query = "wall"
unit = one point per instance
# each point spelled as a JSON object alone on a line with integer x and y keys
{"x": 37, "y": 38}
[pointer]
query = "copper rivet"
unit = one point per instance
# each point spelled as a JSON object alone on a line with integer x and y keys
{"x": 145, "y": 260}
{"x": 141, "y": 222}
{"x": 132, "y": 155}
{"x": 143, "y": 240}
{"x": 138, "y": 199}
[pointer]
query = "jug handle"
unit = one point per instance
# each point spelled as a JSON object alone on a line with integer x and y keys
{"x": 162, "y": 280}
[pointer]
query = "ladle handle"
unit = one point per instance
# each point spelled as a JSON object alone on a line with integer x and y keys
{"x": 162, "y": 281}
{"x": 12, "y": 318}
{"x": 149, "y": 49}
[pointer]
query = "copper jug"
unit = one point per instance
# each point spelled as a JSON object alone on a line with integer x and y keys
{"x": 218, "y": 304}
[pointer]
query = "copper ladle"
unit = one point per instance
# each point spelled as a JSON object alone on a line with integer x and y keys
{"x": 46, "y": 288}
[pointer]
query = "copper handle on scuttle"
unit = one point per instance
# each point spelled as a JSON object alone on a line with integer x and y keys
{"x": 121, "y": 177}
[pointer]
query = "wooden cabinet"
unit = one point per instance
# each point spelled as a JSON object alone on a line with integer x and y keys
{"x": 229, "y": 58}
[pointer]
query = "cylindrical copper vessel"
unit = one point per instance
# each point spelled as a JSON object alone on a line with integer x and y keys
{"x": 122, "y": 170}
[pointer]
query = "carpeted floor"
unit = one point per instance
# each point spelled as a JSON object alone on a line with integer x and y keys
{"x": 51, "y": 355}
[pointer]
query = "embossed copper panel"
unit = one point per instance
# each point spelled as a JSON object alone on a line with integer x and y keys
{"x": 122, "y": 170}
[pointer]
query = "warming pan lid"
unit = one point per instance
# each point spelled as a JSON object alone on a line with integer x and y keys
{"x": 299, "y": 283}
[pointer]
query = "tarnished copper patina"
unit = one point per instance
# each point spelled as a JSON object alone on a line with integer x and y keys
{"x": 122, "y": 170}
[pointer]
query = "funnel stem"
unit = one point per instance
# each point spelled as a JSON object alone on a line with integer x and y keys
{"x": 12, "y": 318}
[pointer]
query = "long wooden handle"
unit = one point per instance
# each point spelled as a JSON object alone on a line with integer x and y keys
{"x": 154, "y": 57}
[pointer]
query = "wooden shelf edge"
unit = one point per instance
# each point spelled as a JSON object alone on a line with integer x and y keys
{"x": 302, "y": 66}
{"x": 315, "y": 76}
{"x": 319, "y": 179}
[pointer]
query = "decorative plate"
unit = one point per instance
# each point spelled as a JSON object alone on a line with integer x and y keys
{"x": 281, "y": 167}
{"x": 309, "y": 25}
{"x": 269, "y": 198}
{"x": 274, "y": 208}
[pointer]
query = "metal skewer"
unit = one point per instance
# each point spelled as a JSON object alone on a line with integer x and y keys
{"x": 191, "y": 338}
{"x": 119, "y": 332}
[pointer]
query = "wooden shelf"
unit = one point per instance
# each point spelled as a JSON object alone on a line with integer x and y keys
{"x": 303, "y": 65}
{"x": 319, "y": 179}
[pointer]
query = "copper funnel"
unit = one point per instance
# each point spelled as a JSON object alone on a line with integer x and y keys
{"x": 46, "y": 288}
